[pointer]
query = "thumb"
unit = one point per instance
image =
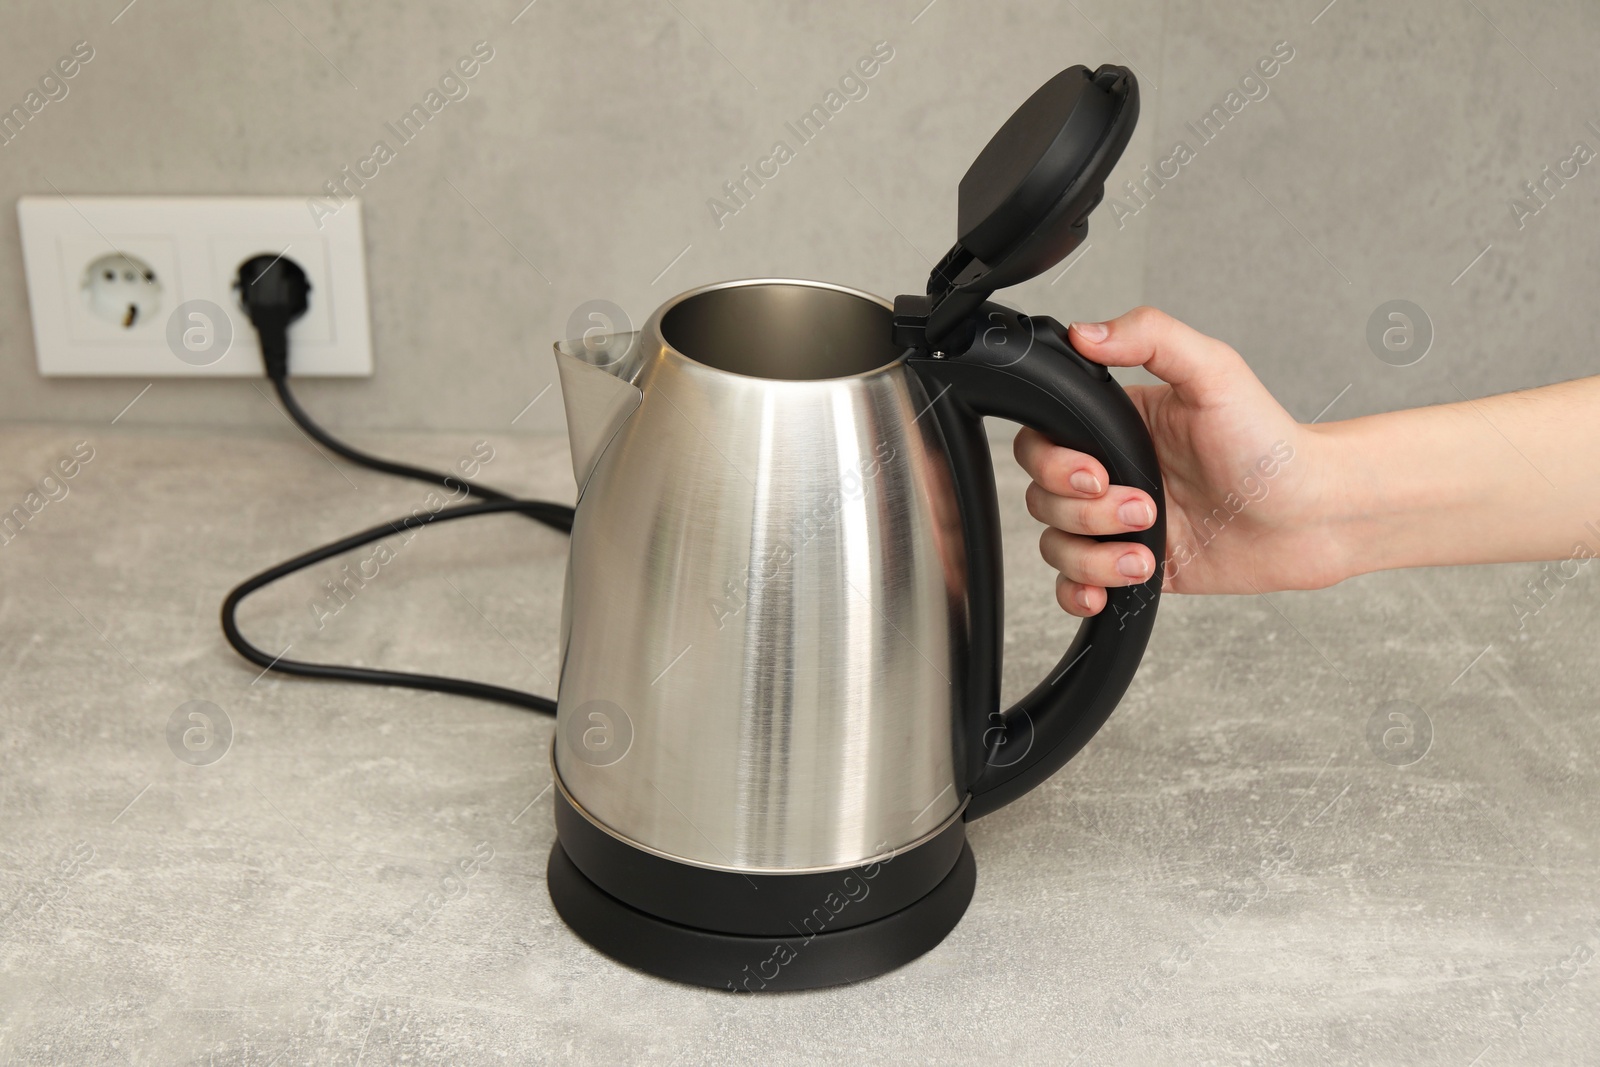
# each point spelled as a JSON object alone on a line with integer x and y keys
{"x": 1199, "y": 368}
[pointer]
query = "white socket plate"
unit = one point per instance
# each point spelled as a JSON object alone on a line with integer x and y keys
{"x": 194, "y": 245}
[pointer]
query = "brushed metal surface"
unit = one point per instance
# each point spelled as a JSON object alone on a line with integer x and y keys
{"x": 885, "y": 856}
{"x": 597, "y": 390}
{"x": 763, "y": 637}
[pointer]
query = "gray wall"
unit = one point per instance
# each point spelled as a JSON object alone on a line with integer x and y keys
{"x": 1378, "y": 166}
{"x": 1388, "y": 153}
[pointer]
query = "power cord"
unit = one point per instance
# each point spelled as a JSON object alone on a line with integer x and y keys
{"x": 275, "y": 292}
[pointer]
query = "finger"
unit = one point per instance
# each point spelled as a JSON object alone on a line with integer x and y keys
{"x": 1080, "y": 559}
{"x": 1077, "y": 599}
{"x": 1122, "y": 510}
{"x": 1061, "y": 470}
{"x": 1200, "y": 368}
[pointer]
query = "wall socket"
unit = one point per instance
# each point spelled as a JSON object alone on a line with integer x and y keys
{"x": 143, "y": 286}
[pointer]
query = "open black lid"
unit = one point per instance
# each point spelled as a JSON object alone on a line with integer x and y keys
{"x": 1024, "y": 203}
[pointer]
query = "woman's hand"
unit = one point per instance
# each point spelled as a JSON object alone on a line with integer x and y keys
{"x": 1243, "y": 480}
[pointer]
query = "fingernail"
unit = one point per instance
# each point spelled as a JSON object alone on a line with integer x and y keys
{"x": 1136, "y": 513}
{"x": 1084, "y": 482}
{"x": 1133, "y": 565}
{"x": 1091, "y": 331}
{"x": 1080, "y": 597}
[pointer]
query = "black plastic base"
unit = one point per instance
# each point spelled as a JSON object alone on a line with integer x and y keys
{"x": 824, "y": 953}
{"x": 759, "y": 905}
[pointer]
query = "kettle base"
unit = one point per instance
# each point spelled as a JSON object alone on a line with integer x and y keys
{"x": 750, "y": 963}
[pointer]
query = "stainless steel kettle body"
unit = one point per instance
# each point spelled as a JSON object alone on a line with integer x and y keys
{"x": 781, "y": 641}
{"x": 765, "y": 632}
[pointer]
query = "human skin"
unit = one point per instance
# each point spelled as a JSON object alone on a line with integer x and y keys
{"x": 1496, "y": 480}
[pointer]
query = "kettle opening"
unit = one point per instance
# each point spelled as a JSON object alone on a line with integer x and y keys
{"x": 784, "y": 330}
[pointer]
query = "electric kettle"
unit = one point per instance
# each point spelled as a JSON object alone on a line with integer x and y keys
{"x": 781, "y": 636}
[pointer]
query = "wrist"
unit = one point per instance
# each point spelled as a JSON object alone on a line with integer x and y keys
{"x": 1335, "y": 532}
{"x": 1378, "y": 504}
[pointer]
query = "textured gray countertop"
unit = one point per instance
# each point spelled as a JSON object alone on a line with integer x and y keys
{"x": 1229, "y": 873}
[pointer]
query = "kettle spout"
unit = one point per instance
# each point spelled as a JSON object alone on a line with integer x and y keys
{"x": 598, "y": 391}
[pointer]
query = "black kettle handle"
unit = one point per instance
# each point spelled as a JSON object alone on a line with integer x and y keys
{"x": 1024, "y": 369}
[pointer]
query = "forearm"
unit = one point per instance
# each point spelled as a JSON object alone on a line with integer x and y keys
{"x": 1505, "y": 478}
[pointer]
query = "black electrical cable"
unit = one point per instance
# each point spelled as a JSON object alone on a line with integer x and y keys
{"x": 543, "y": 511}
{"x": 355, "y": 455}
{"x": 274, "y": 292}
